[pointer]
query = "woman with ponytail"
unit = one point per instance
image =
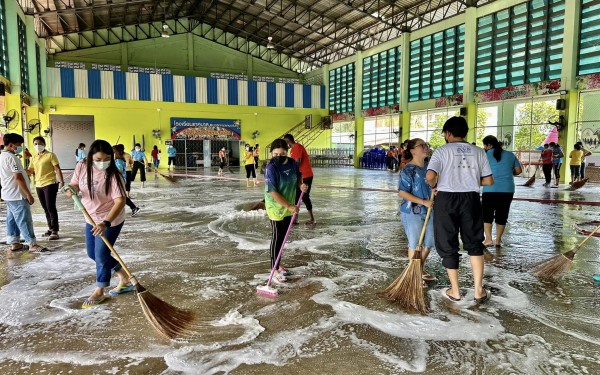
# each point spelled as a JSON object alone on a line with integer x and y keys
{"x": 496, "y": 198}
{"x": 102, "y": 190}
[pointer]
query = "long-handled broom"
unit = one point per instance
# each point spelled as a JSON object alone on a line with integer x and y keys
{"x": 267, "y": 290}
{"x": 407, "y": 289}
{"x": 167, "y": 319}
{"x": 531, "y": 181}
{"x": 560, "y": 263}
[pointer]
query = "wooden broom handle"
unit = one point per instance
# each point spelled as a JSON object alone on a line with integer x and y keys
{"x": 585, "y": 239}
{"x": 426, "y": 221}
{"x": 112, "y": 249}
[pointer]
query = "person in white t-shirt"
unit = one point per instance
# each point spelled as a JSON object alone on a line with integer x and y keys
{"x": 457, "y": 170}
{"x": 17, "y": 195}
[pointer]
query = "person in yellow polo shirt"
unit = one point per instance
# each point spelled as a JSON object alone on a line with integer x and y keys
{"x": 44, "y": 166}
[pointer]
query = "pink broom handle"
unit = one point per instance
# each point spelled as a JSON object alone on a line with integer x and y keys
{"x": 285, "y": 240}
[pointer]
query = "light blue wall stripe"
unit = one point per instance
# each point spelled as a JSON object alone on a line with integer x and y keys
{"x": 144, "y": 85}
{"x": 323, "y": 96}
{"x": 252, "y": 93}
{"x": 232, "y": 92}
{"x": 67, "y": 82}
{"x": 120, "y": 85}
{"x": 190, "y": 89}
{"x": 167, "y": 88}
{"x": 211, "y": 91}
{"x": 94, "y": 85}
{"x": 271, "y": 94}
{"x": 306, "y": 96}
{"x": 289, "y": 95}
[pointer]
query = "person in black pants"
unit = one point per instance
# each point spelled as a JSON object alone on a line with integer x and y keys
{"x": 139, "y": 163}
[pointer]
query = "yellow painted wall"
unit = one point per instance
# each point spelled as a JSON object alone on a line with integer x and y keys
{"x": 114, "y": 118}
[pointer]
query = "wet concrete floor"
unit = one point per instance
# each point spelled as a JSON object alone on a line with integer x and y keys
{"x": 194, "y": 245}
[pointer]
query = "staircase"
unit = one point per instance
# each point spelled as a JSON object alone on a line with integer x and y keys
{"x": 301, "y": 135}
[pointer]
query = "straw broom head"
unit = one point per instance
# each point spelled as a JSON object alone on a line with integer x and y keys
{"x": 407, "y": 289}
{"x": 554, "y": 266}
{"x": 169, "y": 178}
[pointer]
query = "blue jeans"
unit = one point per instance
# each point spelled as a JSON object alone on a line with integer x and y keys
{"x": 413, "y": 224}
{"x": 100, "y": 253}
{"x": 18, "y": 221}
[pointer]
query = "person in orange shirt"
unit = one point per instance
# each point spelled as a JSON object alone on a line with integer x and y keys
{"x": 298, "y": 153}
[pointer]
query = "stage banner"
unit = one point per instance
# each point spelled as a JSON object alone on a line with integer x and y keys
{"x": 205, "y": 128}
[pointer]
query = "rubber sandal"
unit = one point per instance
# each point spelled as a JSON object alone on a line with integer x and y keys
{"x": 47, "y": 233}
{"x": 22, "y": 248}
{"x": 39, "y": 250}
{"x": 280, "y": 278}
{"x": 53, "y": 237}
{"x": 485, "y": 298}
{"x": 91, "y": 302}
{"x": 428, "y": 277}
{"x": 449, "y": 297}
{"x": 121, "y": 290}
{"x": 284, "y": 272}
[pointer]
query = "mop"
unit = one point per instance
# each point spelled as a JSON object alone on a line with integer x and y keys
{"x": 267, "y": 290}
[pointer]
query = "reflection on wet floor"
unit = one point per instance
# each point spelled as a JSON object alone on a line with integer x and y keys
{"x": 198, "y": 244}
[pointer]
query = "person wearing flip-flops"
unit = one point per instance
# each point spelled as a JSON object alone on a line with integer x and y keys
{"x": 17, "y": 195}
{"x": 457, "y": 170}
{"x": 298, "y": 153}
{"x": 282, "y": 178}
{"x": 416, "y": 194}
{"x": 122, "y": 166}
{"x": 103, "y": 195}
{"x": 45, "y": 167}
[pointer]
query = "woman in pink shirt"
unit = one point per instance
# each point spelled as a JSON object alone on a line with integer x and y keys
{"x": 103, "y": 196}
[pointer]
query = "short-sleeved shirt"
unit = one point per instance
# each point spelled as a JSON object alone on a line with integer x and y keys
{"x": 298, "y": 152}
{"x": 460, "y": 166}
{"x": 585, "y": 151}
{"x": 282, "y": 178}
{"x": 556, "y": 152}
{"x": 80, "y": 155}
{"x": 100, "y": 204}
{"x": 171, "y": 151}
{"x": 576, "y": 156}
{"x": 546, "y": 156}
{"x": 412, "y": 180}
{"x": 138, "y": 155}
{"x": 42, "y": 166}
{"x": 504, "y": 180}
{"x": 128, "y": 161}
{"x": 249, "y": 158}
{"x": 9, "y": 165}
{"x": 121, "y": 166}
{"x": 154, "y": 154}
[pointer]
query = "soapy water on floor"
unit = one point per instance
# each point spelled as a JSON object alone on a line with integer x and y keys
{"x": 196, "y": 245}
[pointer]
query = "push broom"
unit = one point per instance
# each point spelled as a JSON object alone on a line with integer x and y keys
{"x": 267, "y": 290}
{"x": 407, "y": 289}
{"x": 167, "y": 319}
{"x": 560, "y": 263}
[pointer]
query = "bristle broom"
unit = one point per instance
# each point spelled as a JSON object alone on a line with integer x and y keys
{"x": 554, "y": 266}
{"x": 407, "y": 289}
{"x": 267, "y": 291}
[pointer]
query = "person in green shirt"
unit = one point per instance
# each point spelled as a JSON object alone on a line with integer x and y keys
{"x": 45, "y": 167}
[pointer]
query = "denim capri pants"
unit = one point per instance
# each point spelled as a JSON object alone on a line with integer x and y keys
{"x": 413, "y": 224}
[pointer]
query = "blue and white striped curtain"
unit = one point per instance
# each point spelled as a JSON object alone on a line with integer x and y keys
{"x": 96, "y": 84}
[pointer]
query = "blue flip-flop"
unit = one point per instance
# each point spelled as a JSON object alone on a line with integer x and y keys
{"x": 121, "y": 290}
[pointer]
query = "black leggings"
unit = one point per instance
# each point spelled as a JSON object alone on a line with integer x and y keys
{"x": 138, "y": 165}
{"x": 250, "y": 170}
{"x": 547, "y": 169}
{"x": 306, "y": 196}
{"x": 279, "y": 229}
{"x": 496, "y": 207}
{"x": 575, "y": 171}
{"x": 556, "y": 168}
{"x": 47, "y": 196}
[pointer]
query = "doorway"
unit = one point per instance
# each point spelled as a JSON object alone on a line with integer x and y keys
{"x": 67, "y": 133}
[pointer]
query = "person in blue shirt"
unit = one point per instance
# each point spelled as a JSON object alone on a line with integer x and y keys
{"x": 139, "y": 163}
{"x": 557, "y": 160}
{"x": 282, "y": 177}
{"x": 121, "y": 166}
{"x": 416, "y": 198}
{"x": 496, "y": 198}
{"x": 80, "y": 153}
{"x": 171, "y": 153}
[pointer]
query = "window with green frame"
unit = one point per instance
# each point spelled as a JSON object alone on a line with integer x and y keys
{"x": 23, "y": 61}
{"x": 38, "y": 65}
{"x": 436, "y": 64}
{"x": 521, "y": 44}
{"x": 589, "y": 42}
{"x": 3, "y": 42}
{"x": 341, "y": 89}
{"x": 381, "y": 79}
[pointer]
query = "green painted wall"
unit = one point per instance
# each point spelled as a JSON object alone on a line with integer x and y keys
{"x": 122, "y": 118}
{"x": 183, "y": 54}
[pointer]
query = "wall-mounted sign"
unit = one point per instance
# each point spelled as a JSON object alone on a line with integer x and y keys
{"x": 521, "y": 91}
{"x": 204, "y": 128}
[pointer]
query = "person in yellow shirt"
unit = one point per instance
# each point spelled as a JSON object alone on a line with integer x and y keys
{"x": 45, "y": 167}
{"x": 575, "y": 163}
{"x": 249, "y": 165}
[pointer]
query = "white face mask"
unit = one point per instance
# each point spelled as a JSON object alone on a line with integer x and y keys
{"x": 39, "y": 148}
{"x": 137, "y": 148}
{"x": 102, "y": 165}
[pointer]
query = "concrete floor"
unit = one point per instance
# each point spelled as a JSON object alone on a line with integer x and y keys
{"x": 194, "y": 245}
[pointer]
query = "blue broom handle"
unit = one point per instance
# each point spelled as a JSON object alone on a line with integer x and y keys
{"x": 285, "y": 240}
